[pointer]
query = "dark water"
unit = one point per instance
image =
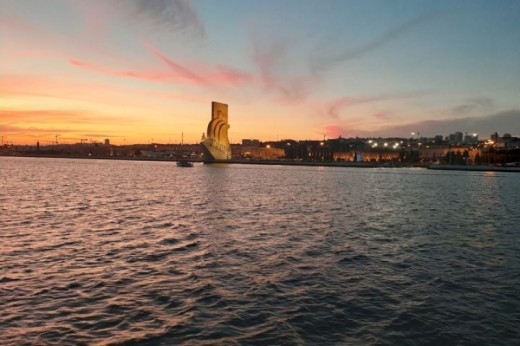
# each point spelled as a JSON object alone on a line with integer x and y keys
{"x": 146, "y": 253}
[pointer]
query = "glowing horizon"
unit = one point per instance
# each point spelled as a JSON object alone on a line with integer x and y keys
{"x": 139, "y": 71}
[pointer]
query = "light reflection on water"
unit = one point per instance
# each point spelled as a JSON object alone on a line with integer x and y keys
{"x": 96, "y": 251}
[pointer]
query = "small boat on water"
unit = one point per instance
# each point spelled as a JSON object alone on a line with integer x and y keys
{"x": 184, "y": 163}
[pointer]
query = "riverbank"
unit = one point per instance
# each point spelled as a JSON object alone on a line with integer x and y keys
{"x": 286, "y": 163}
{"x": 301, "y": 163}
{"x": 235, "y": 161}
{"x": 474, "y": 168}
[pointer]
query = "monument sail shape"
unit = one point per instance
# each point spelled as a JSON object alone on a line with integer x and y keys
{"x": 216, "y": 145}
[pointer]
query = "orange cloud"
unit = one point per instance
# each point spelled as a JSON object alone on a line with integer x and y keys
{"x": 21, "y": 86}
{"x": 51, "y": 116}
{"x": 155, "y": 77}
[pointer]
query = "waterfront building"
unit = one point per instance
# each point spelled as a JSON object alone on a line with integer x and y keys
{"x": 456, "y": 138}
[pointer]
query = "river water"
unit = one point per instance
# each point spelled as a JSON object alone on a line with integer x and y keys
{"x": 105, "y": 252}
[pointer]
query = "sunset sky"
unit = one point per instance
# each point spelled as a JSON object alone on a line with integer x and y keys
{"x": 137, "y": 71}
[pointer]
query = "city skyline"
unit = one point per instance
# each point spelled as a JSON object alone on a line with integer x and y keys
{"x": 134, "y": 71}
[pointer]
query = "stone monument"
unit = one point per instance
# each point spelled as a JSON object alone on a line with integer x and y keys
{"x": 216, "y": 144}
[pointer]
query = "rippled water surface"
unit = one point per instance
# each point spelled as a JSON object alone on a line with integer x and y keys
{"x": 147, "y": 253}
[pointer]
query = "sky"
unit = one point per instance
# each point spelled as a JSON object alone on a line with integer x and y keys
{"x": 143, "y": 71}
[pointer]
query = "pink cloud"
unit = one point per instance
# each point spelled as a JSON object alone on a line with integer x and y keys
{"x": 176, "y": 68}
{"x": 231, "y": 76}
{"x": 149, "y": 76}
{"x": 333, "y": 131}
{"x": 206, "y": 76}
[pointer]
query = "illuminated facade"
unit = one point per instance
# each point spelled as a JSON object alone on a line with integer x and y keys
{"x": 216, "y": 145}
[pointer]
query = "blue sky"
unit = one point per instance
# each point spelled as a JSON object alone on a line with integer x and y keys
{"x": 138, "y": 70}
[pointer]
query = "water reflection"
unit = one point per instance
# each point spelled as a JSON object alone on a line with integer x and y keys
{"x": 148, "y": 253}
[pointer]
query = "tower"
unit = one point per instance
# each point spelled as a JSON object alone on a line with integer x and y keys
{"x": 216, "y": 146}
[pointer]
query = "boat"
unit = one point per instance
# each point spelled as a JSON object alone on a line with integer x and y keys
{"x": 184, "y": 163}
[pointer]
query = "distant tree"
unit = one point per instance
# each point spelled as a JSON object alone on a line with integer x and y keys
{"x": 449, "y": 157}
{"x": 465, "y": 156}
{"x": 458, "y": 158}
{"x": 478, "y": 159}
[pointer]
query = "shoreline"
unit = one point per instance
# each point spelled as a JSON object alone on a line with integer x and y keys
{"x": 286, "y": 163}
{"x": 474, "y": 168}
{"x": 233, "y": 161}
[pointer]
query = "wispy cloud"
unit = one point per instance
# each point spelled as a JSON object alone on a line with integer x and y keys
{"x": 176, "y": 15}
{"x": 155, "y": 77}
{"x": 51, "y": 116}
{"x": 505, "y": 121}
{"x": 208, "y": 76}
{"x": 382, "y": 115}
{"x": 13, "y": 86}
{"x": 108, "y": 134}
{"x": 479, "y": 104}
{"x": 335, "y": 107}
{"x": 33, "y": 131}
{"x": 48, "y": 134}
{"x": 271, "y": 58}
{"x": 69, "y": 125}
{"x": 329, "y": 59}
{"x": 177, "y": 69}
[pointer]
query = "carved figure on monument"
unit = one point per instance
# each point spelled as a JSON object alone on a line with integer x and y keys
{"x": 216, "y": 145}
